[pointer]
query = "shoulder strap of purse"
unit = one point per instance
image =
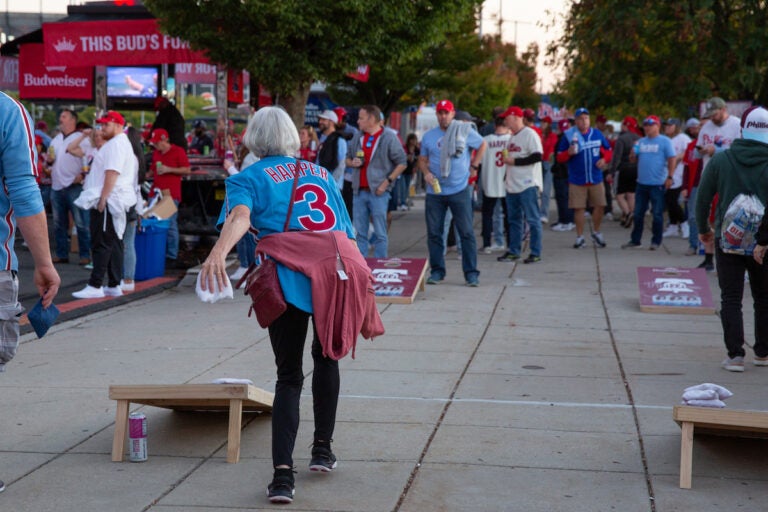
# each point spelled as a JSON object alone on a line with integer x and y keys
{"x": 293, "y": 195}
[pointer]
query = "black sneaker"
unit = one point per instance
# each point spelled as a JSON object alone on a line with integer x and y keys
{"x": 709, "y": 267}
{"x": 508, "y": 256}
{"x": 281, "y": 490}
{"x": 323, "y": 459}
{"x": 532, "y": 259}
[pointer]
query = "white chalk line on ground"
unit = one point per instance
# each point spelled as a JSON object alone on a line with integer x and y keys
{"x": 510, "y": 402}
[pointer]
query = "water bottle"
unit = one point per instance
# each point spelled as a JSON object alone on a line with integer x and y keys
{"x": 575, "y": 141}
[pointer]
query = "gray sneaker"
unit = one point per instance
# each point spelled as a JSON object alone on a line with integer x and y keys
{"x": 598, "y": 239}
{"x": 733, "y": 364}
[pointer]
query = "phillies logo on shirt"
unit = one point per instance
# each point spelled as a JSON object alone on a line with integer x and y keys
{"x": 514, "y": 148}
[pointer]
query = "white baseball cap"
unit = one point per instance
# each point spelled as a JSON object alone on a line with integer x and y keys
{"x": 330, "y": 115}
{"x": 754, "y": 124}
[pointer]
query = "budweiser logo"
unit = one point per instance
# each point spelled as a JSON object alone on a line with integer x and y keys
{"x": 64, "y": 45}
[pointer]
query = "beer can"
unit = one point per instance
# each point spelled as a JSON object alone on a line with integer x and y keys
{"x": 229, "y": 155}
{"x": 137, "y": 437}
{"x": 361, "y": 155}
{"x": 436, "y": 186}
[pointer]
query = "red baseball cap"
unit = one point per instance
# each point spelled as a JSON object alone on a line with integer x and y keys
{"x": 630, "y": 122}
{"x": 650, "y": 120}
{"x": 564, "y": 124}
{"x": 38, "y": 139}
{"x": 528, "y": 113}
{"x": 512, "y": 111}
{"x": 340, "y": 113}
{"x": 546, "y": 119}
{"x": 445, "y": 105}
{"x": 157, "y": 135}
{"x": 601, "y": 118}
{"x": 111, "y": 117}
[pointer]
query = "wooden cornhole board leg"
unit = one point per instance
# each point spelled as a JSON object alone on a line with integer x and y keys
{"x": 195, "y": 397}
{"x": 686, "y": 454}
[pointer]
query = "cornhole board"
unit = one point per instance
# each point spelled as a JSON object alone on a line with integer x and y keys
{"x": 674, "y": 290}
{"x": 721, "y": 422}
{"x": 397, "y": 280}
{"x": 234, "y": 398}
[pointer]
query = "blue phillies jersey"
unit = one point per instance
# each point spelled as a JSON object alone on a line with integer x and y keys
{"x": 581, "y": 166}
{"x": 265, "y": 188}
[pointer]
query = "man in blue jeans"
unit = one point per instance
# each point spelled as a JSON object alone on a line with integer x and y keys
{"x": 383, "y": 160}
{"x": 522, "y": 181}
{"x": 445, "y": 161}
{"x": 655, "y": 167}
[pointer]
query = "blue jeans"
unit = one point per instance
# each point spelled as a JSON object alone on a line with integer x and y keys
{"x": 435, "y": 208}
{"x": 564, "y": 214}
{"x": 129, "y": 251}
{"x": 172, "y": 246}
{"x": 693, "y": 236}
{"x": 547, "y": 190}
{"x": 63, "y": 202}
{"x": 368, "y": 207}
{"x": 525, "y": 204}
{"x": 246, "y": 250}
{"x": 644, "y": 194}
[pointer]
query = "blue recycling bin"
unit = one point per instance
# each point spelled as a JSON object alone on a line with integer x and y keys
{"x": 151, "y": 239}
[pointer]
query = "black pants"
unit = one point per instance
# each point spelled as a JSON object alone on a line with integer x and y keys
{"x": 489, "y": 204}
{"x": 287, "y": 335}
{"x": 730, "y": 277}
{"x": 674, "y": 210}
{"x": 107, "y": 250}
{"x": 346, "y": 194}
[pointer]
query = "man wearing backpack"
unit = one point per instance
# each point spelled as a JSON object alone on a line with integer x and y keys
{"x": 742, "y": 169}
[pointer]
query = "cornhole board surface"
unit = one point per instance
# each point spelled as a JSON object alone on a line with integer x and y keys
{"x": 721, "y": 422}
{"x": 674, "y": 290}
{"x": 397, "y": 280}
{"x": 234, "y": 398}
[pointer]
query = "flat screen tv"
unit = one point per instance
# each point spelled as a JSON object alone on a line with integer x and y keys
{"x": 132, "y": 87}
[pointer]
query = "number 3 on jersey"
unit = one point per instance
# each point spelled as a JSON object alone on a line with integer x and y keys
{"x": 321, "y": 217}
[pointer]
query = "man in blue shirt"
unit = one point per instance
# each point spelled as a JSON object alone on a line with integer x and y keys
{"x": 445, "y": 161}
{"x": 22, "y": 204}
{"x": 655, "y": 168}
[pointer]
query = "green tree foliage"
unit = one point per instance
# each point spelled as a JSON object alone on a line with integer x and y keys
{"x": 653, "y": 55}
{"x": 288, "y": 44}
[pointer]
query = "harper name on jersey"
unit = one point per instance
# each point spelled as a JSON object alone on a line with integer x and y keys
{"x": 281, "y": 173}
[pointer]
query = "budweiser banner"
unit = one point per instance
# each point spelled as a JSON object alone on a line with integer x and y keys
{"x": 38, "y": 81}
{"x": 9, "y": 73}
{"x": 123, "y": 43}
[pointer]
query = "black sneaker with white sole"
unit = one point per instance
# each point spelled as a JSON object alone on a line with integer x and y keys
{"x": 282, "y": 489}
{"x": 323, "y": 459}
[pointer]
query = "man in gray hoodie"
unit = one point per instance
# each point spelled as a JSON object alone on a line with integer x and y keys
{"x": 379, "y": 158}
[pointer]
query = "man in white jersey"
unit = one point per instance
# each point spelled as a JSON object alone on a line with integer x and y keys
{"x": 493, "y": 170}
{"x": 523, "y": 181}
{"x": 715, "y": 136}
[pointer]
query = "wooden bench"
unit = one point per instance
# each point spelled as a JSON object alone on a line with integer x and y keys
{"x": 234, "y": 398}
{"x": 721, "y": 422}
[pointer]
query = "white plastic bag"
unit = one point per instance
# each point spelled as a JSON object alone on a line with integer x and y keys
{"x": 740, "y": 224}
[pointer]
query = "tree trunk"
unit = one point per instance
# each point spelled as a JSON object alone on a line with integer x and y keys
{"x": 296, "y": 103}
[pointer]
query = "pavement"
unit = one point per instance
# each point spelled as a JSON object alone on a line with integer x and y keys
{"x": 544, "y": 389}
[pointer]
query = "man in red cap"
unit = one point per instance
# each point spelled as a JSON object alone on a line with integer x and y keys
{"x": 170, "y": 119}
{"x": 169, "y": 164}
{"x": 656, "y": 162}
{"x": 447, "y": 164}
{"x": 109, "y": 193}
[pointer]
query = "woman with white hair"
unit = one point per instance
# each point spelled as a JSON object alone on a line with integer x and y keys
{"x": 317, "y": 264}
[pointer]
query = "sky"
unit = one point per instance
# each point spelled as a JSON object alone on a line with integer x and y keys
{"x": 523, "y": 19}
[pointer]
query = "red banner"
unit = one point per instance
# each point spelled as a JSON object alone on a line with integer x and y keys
{"x": 38, "y": 81}
{"x": 195, "y": 73}
{"x": 113, "y": 43}
{"x": 9, "y": 73}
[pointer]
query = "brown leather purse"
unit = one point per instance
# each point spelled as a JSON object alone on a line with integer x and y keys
{"x": 262, "y": 283}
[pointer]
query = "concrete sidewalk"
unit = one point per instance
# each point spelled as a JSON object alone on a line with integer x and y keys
{"x": 545, "y": 389}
